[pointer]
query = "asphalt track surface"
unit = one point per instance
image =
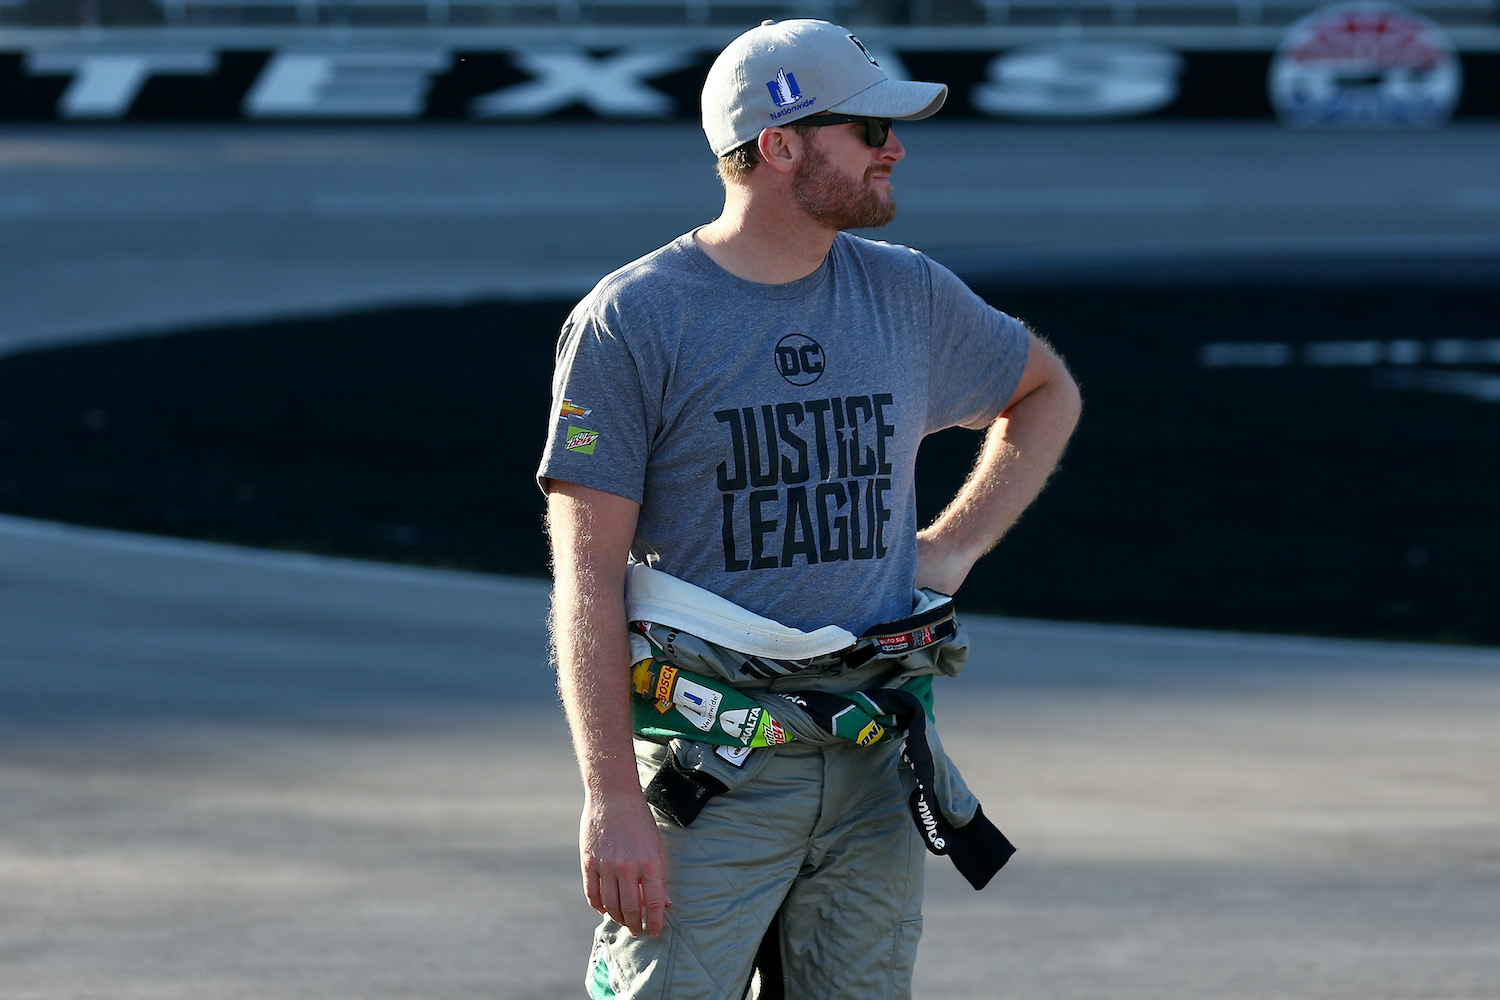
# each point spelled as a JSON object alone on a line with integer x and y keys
{"x": 108, "y": 229}
{"x": 231, "y": 774}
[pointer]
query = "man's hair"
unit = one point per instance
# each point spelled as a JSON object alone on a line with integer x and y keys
{"x": 735, "y": 165}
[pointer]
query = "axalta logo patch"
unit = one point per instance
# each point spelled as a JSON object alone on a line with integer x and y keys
{"x": 740, "y": 723}
{"x": 571, "y": 409}
{"x": 580, "y": 440}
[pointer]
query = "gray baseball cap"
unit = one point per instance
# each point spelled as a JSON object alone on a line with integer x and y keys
{"x": 786, "y": 70}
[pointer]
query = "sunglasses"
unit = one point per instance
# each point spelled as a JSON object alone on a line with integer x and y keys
{"x": 877, "y": 130}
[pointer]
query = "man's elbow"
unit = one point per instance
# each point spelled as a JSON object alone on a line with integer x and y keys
{"x": 1048, "y": 389}
{"x": 1070, "y": 397}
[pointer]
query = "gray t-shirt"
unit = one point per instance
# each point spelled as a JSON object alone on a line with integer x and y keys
{"x": 770, "y": 432}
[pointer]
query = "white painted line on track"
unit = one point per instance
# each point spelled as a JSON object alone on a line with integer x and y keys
{"x": 440, "y": 203}
{"x": 215, "y": 552}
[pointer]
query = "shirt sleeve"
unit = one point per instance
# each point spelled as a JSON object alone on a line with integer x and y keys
{"x": 601, "y": 425}
{"x": 977, "y": 355}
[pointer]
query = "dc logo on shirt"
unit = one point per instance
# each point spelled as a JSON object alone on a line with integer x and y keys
{"x": 784, "y": 89}
{"x": 799, "y": 359}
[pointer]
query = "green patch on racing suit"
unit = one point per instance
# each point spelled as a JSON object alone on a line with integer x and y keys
{"x": 670, "y": 702}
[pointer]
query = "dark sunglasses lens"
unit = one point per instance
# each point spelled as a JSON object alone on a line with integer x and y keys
{"x": 876, "y": 131}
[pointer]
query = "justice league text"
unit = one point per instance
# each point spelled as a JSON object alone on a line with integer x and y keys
{"x": 805, "y": 480}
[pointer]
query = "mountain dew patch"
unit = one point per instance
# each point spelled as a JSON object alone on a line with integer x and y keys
{"x": 580, "y": 440}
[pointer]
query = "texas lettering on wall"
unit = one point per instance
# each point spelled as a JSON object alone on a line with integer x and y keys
{"x": 433, "y": 77}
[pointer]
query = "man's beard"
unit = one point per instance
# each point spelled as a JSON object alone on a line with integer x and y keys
{"x": 835, "y": 200}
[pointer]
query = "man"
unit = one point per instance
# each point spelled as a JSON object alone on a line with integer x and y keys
{"x": 741, "y": 409}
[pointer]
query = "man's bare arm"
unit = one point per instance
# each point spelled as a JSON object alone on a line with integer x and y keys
{"x": 1021, "y": 448}
{"x": 620, "y": 850}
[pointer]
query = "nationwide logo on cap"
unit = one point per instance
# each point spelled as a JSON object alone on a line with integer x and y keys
{"x": 784, "y": 89}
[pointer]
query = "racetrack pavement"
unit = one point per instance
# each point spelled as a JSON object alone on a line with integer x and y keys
{"x": 230, "y": 774}
{"x": 145, "y": 227}
{"x": 234, "y": 774}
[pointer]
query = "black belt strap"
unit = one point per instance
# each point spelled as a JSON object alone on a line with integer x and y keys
{"x": 903, "y": 635}
{"x": 679, "y": 793}
{"x": 977, "y": 849}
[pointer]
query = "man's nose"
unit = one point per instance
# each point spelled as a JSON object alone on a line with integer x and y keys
{"x": 892, "y": 150}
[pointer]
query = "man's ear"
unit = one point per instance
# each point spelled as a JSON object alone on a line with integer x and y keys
{"x": 780, "y": 148}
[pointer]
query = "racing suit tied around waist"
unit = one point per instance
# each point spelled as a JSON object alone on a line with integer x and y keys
{"x": 707, "y": 679}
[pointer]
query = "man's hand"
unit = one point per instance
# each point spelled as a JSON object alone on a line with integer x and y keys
{"x": 938, "y": 569}
{"x": 624, "y": 868}
{"x": 620, "y": 850}
{"x": 1021, "y": 449}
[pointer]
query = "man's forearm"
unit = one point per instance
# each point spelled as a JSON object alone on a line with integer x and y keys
{"x": 592, "y": 678}
{"x": 620, "y": 851}
{"x": 588, "y": 628}
{"x": 1020, "y": 450}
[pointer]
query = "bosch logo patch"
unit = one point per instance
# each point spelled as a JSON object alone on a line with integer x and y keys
{"x": 663, "y": 692}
